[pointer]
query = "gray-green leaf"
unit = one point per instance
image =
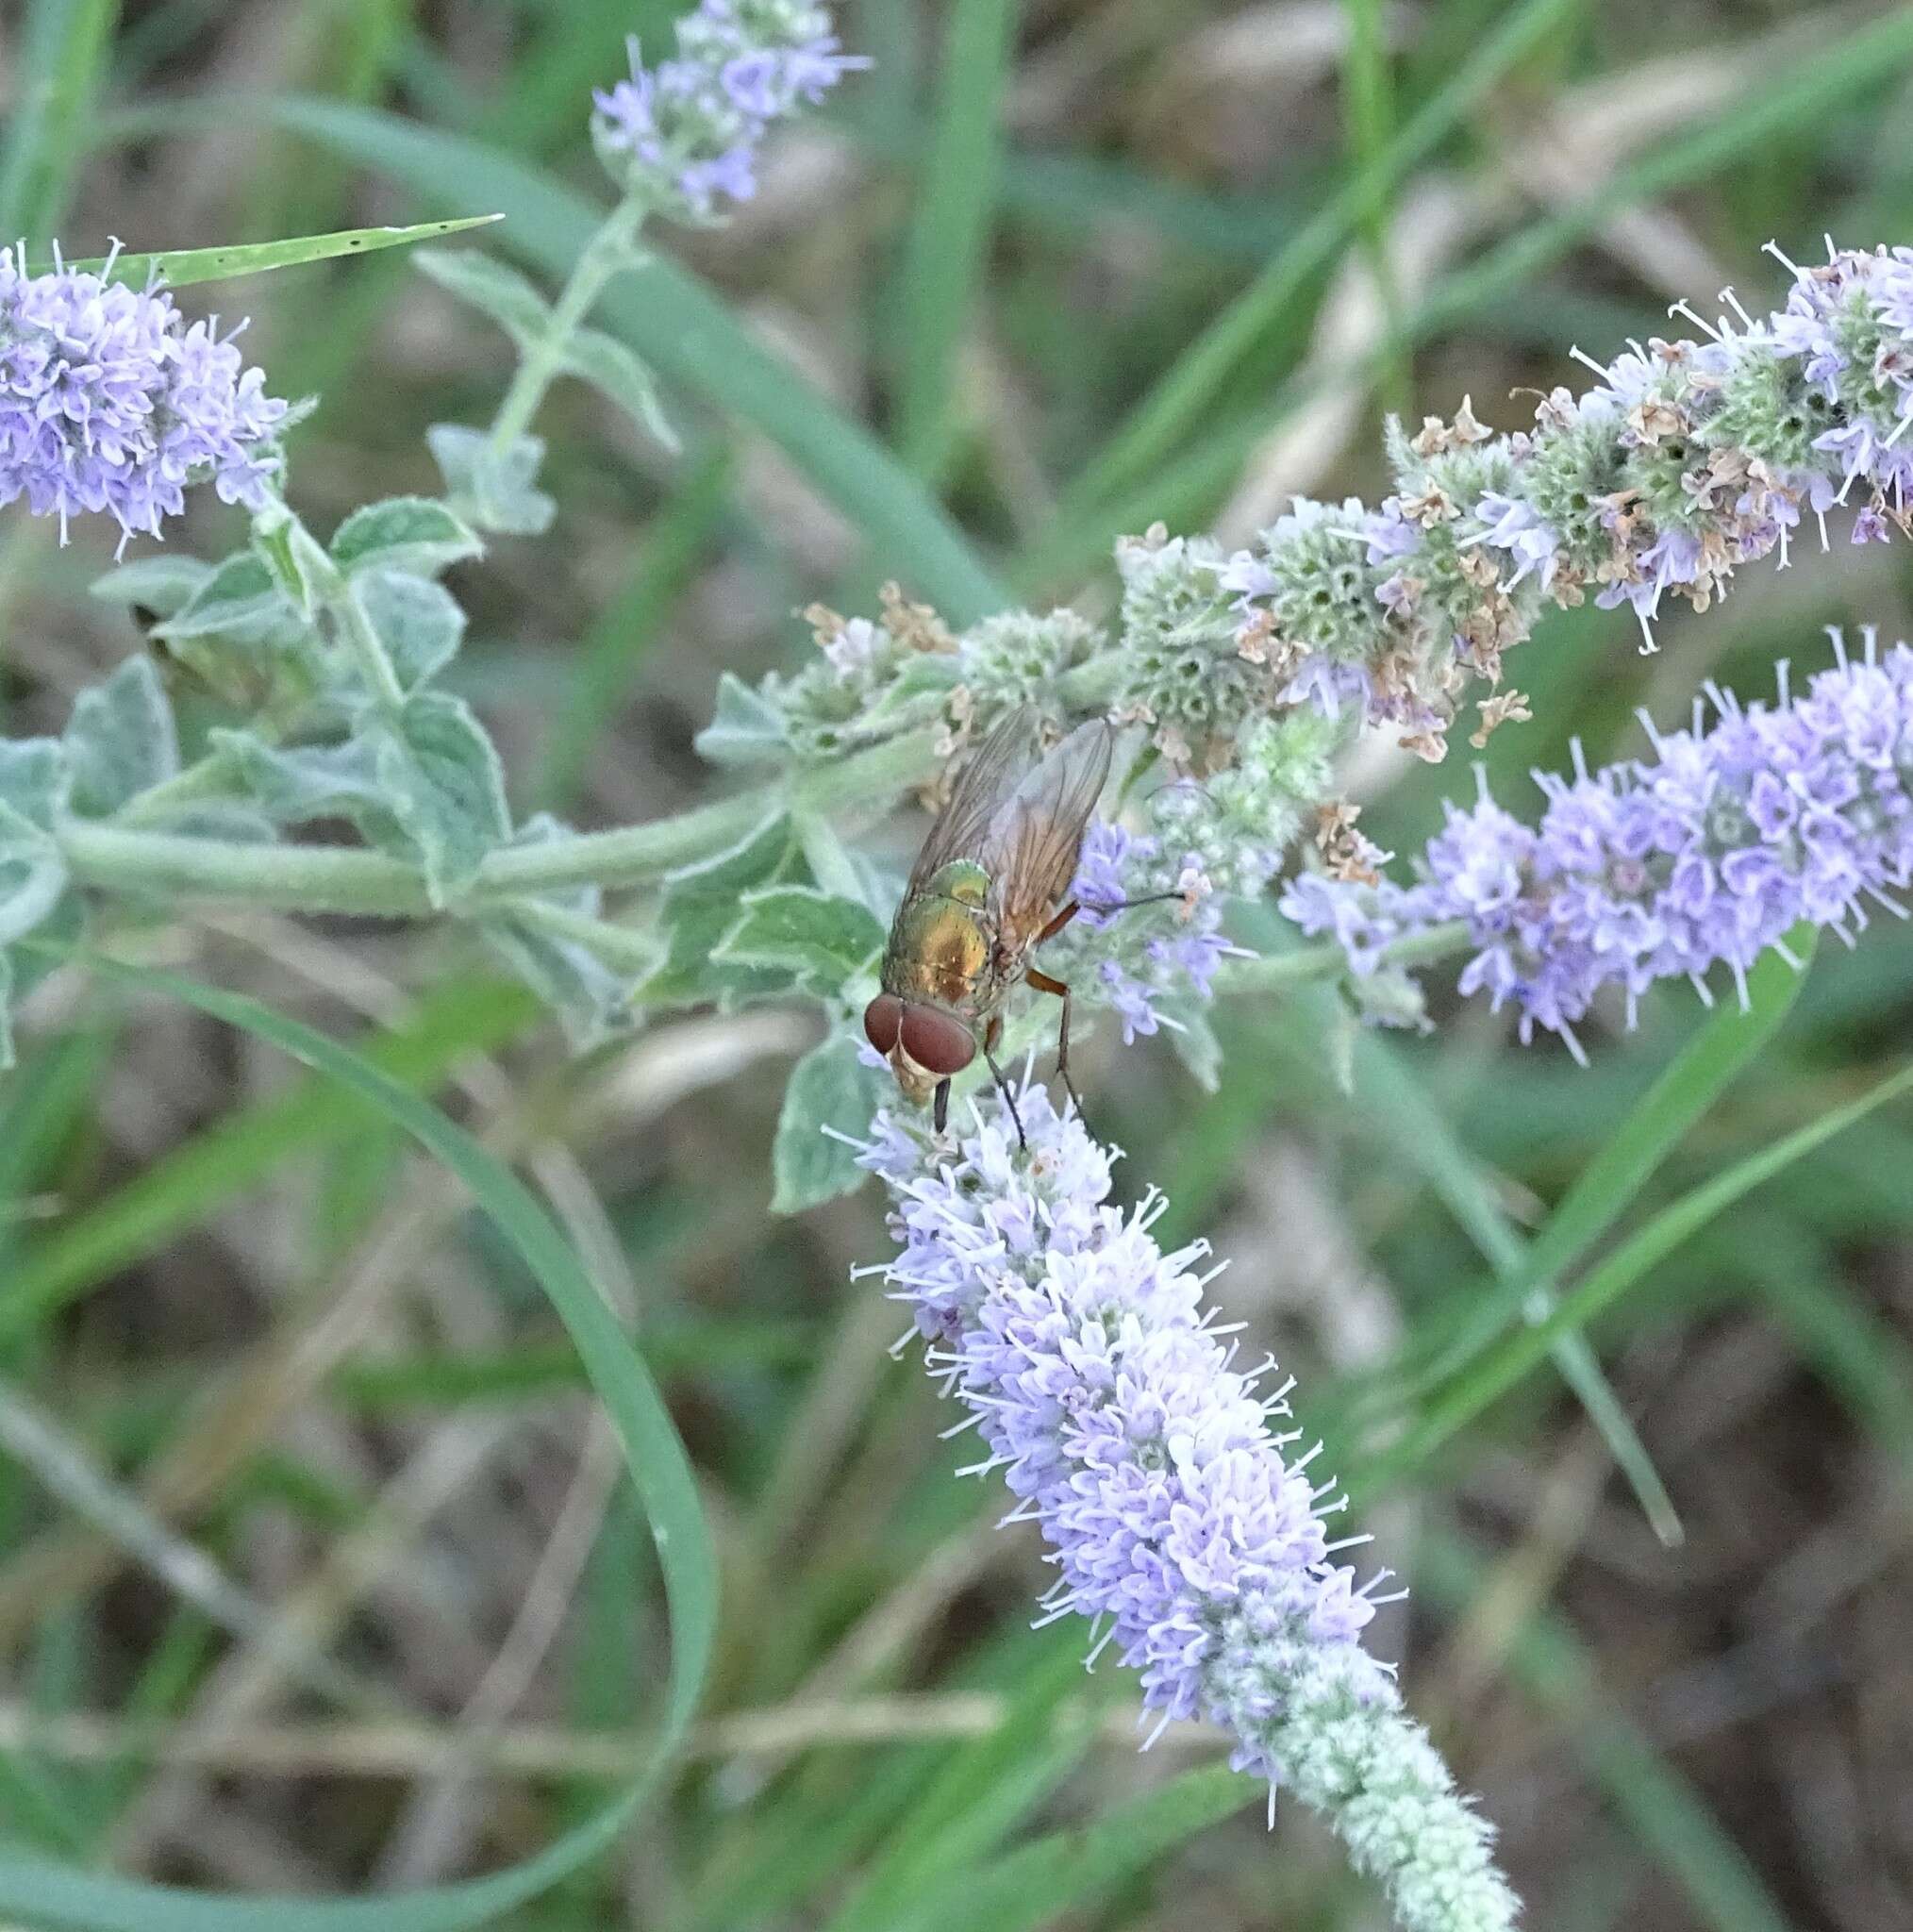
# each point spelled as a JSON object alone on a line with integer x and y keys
{"x": 442, "y": 781}
{"x": 488, "y": 286}
{"x": 244, "y": 639}
{"x": 33, "y": 777}
{"x": 591, "y": 999}
{"x": 800, "y": 930}
{"x": 317, "y": 781}
{"x": 417, "y": 534}
{"x": 33, "y": 896}
{"x": 746, "y": 727}
{"x": 830, "y": 1087}
{"x": 239, "y": 599}
{"x": 617, "y": 375}
{"x": 701, "y": 905}
{"x": 293, "y": 560}
{"x": 497, "y": 490}
{"x": 418, "y": 622}
{"x": 120, "y": 738}
{"x": 163, "y": 584}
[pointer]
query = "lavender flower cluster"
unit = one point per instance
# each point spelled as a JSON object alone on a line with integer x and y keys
{"x": 1703, "y": 855}
{"x": 110, "y": 402}
{"x": 1150, "y": 955}
{"x": 1114, "y": 1406}
{"x": 685, "y": 133}
{"x": 1684, "y": 461}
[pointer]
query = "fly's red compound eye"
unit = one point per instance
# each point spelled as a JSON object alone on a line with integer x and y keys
{"x": 882, "y": 1021}
{"x": 939, "y": 1043}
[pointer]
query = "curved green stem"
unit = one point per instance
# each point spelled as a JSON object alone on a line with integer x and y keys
{"x": 1272, "y": 972}
{"x": 543, "y": 362}
{"x": 331, "y": 878}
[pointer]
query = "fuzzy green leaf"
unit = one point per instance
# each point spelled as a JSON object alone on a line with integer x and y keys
{"x": 120, "y": 739}
{"x": 830, "y": 1087}
{"x": 441, "y": 779}
{"x": 622, "y": 377}
{"x": 418, "y": 622}
{"x": 593, "y": 1000}
{"x": 746, "y": 727}
{"x": 315, "y": 781}
{"x": 163, "y": 585}
{"x": 239, "y": 599}
{"x": 800, "y": 930}
{"x": 591, "y": 995}
{"x": 496, "y": 489}
{"x": 417, "y": 534}
{"x": 33, "y": 777}
{"x": 701, "y": 905}
{"x": 498, "y": 292}
{"x": 297, "y": 566}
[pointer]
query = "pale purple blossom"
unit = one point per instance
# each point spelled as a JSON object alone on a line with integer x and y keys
{"x": 1519, "y": 529}
{"x": 1699, "y": 856}
{"x": 1157, "y": 953}
{"x": 111, "y": 402}
{"x": 1187, "y": 1532}
{"x": 688, "y": 131}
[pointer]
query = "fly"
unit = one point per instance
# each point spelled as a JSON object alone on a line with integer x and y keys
{"x": 986, "y": 890}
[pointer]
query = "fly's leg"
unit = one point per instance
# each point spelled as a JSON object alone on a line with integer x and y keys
{"x": 1044, "y": 983}
{"x": 992, "y": 1036}
{"x": 940, "y": 1114}
{"x": 1104, "y": 910}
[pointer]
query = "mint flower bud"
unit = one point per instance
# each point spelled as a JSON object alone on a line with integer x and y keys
{"x": 1701, "y": 855}
{"x": 685, "y": 133}
{"x": 110, "y": 402}
{"x": 1103, "y": 1391}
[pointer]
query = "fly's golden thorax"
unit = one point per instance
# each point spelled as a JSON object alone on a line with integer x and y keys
{"x": 940, "y": 947}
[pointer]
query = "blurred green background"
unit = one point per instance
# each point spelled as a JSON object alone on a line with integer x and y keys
{"x": 1080, "y": 266}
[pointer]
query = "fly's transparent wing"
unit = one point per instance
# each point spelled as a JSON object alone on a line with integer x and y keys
{"x": 999, "y": 766}
{"x": 1036, "y": 836}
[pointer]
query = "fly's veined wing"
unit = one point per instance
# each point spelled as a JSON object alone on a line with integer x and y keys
{"x": 1036, "y": 836}
{"x": 995, "y": 769}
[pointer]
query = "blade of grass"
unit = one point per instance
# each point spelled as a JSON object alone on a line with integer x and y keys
{"x": 949, "y": 238}
{"x": 619, "y": 639}
{"x": 64, "y": 45}
{"x": 1368, "y": 116}
{"x": 986, "y": 1789}
{"x": 1788, "y": 100}
{"x": 1181, "y": 486}
{"x": 43, "y": 1891}
{"x": 179, "y": 268}
{"x": 1729, "y": 1042}
{"x": 1863, "y": 1360}
{"x": 1177, "y": 403}
{"x": 1492, "y": 1376}
{"x": 1068, "y": 1871}
{"x": 181, "y": 1189}
{"x": 1663, "y": 1811}
{"x": 1402, "y": 1110}
{"x": 685, "y": 332}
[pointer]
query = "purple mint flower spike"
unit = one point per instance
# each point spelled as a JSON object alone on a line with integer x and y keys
{"x": 1156, "y": 952}
{"x": 110, "y": 401}
{"x": 1704, "y": 855}
{"x": 686, "y": 133}
{"x": 1105, "y": 1392}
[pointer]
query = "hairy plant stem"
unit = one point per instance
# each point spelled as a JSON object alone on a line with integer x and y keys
{"x": 1271, "y": 973}
{"x": 328, "y": 878}
{"x": 602, "y": 256}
